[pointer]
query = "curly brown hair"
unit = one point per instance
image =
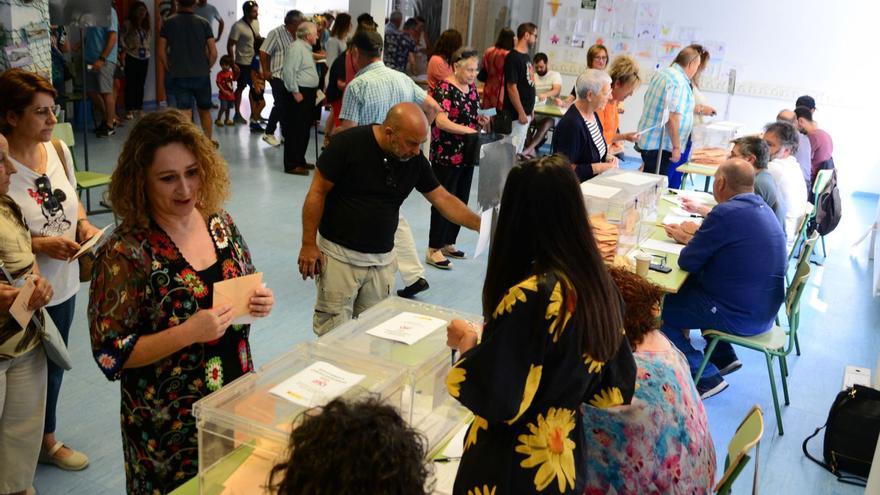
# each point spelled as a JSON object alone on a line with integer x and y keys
{"x": 642, "y": 298}
{"x": 361, "y": 447}
{"x": 128, "y": 191}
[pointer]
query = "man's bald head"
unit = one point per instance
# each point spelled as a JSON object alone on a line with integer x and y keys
{"x": 787, "y": 116}
{"x": 404, "y": 130}
{"x": 406, "y": 116}
{"x": 738, "y": 176}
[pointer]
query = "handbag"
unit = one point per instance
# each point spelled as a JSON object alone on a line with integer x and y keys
{"x": 483, "y": 75}
{"x": 53, "y": 344}
{"x": 503, "y": 122}
{"x": 850, "y": 435}
{"x": 87, "y": 260}
{"x": 471, "y": 149}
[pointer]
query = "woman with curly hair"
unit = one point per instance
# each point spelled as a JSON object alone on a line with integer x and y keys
{"x": 361, "y": 447}
{"x": 440, "y": 63}
{"x": 153, "y": 322}
{"x": 665, "y": 427}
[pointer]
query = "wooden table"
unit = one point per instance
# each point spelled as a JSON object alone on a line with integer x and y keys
{"x": 550, "y": 110}
{"x": 694, "y": 168}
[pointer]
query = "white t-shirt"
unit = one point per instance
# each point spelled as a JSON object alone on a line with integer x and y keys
{"x": 789, "y": 181}
{"x": 51, "y": 214}
{"x": 243, "y": 38}
{"x": 545, "y": 83}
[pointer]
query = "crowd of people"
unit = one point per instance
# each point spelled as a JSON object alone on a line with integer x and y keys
{"x": 576, "y": 368}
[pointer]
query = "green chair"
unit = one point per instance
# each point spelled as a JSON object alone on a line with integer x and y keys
{"x": 803, "y": 259}
{"x": 823, "y": 179}
{"x": 799, "y": 237}
{"x": 775, "y": 343}
{"x": 747, "y": 437}
{"x": 85, "y": 180}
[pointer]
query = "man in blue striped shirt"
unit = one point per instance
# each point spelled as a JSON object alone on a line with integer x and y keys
{"x": 272, "y": 53}
{"x": 670, "y": 89}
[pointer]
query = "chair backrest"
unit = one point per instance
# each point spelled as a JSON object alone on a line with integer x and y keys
{"x": 823, "y": 178}
{"x": 747, "y": 436}
{"x": 64, "y": 132}
{"x": 799, "y": 233}
{"x": 807, "y": 250}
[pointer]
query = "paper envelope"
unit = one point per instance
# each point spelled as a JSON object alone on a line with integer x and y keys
{"x": 238, "y": 292}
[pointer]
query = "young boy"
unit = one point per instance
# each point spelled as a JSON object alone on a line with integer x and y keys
{"x": 227, "y": 92}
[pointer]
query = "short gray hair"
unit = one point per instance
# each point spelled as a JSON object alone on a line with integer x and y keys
{"x": 592, "y": 80}
{"x": 788, "y": 135}
{"x": 305, "y": 29}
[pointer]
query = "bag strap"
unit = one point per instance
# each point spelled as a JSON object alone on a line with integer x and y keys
{"x": 848, "y": 479}
{"x": 56, "y": 143}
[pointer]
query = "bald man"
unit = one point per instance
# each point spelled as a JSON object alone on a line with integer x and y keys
{"x": 804, "y": 153}
{"x": 351, "y": 212}
{"x": 736, "y": 260}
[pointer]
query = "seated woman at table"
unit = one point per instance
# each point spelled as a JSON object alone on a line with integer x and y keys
{"x": 353, "y": 447}
{"x": 153, "y": 321}
{"x": 553, "y": 339}
{"x": 661, "y": 442}
{"x": 597, "y": 58}
{"x": 578, "y": 133}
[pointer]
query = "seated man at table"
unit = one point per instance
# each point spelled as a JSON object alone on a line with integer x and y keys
{"x": 548, "y": 83}
{"x": 754, "y": 150}
{"x": 782, "y": 141}
{"x": 736, "y": 261}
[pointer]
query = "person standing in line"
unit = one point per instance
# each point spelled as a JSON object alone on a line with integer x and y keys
{"x": 493, "y": 66}
{"x": 210, "y": 13}
{"x": 301, "y": 80}
{"x": 137, "y": 39}
{"x": 101, "y": 57}
{"x": 272, "y": 53}
{"x": 241, "y": 45}
{"x": 400, "y": 44}
{"x": 187, "y": 51}
{"x": 335, "y": 46}
{"x": 519, "y": 83}
{"x": 440, "y": 63}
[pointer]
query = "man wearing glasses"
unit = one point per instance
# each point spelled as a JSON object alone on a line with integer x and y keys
{"x": 351, "y": 212}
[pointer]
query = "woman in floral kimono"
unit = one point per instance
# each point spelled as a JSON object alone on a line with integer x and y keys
{"x": 153, "y": 321}
{"x": 553, "y": 339}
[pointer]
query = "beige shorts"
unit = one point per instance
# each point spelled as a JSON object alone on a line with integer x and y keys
{"x": 345, "y": 291}
{"x": 22, "y": 412}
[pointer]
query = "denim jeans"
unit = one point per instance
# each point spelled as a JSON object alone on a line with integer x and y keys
{"x": 62, "y": 316}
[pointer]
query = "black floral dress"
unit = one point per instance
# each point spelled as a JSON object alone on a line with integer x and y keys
{"x": 525, "y": 383}
{"x": 143, "y": 285}
{"x": 448, "y": 149}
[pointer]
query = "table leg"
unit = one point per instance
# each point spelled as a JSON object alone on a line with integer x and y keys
{"x": 706, "y": 187}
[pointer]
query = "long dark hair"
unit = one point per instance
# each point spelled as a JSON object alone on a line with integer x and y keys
{"x": 448, "y": 42}
{"x": 132, "y": 19}
{"x": 341, "y": 26}
{"x": 506, "y": 39}
{"x": 543, "y": 228}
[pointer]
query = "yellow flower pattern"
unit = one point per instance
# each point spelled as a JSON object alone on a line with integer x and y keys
{"x": 549, "y": 447}
{"x": 532, "y": 382}
{"x": 593, "y": 366}
{"x": 484, "y": 491}
{"x": 514, "y": 294}
{"x": 609, "y": 397}
{"x": 477, "y": 425}
{"x": 557, "y": 312}
{"x": 454, "y": 379}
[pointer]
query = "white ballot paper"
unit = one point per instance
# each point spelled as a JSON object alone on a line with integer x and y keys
{"x": 485, "y": 232}
{"x": 597, "y": 191}
{"x": 633, "y": 179}
{"x": 89, "y": 244}
{"x": 673, "y": 219}
{"x": 408, "y": 328}
{"x": 316, "y": 385}
{"x": 19, "y": 309}
{"x": 671, "y": 247}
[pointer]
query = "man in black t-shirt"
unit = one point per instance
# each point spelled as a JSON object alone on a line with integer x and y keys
{"x": 519, "y": 83}
{"x": 350, "y": 213}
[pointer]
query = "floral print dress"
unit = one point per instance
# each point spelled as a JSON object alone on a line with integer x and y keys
{"x": 142, "y": 285}
{"x": 659, "y": 444}
{"x": 525, "y": 383}
{"x": 448, "y": 149}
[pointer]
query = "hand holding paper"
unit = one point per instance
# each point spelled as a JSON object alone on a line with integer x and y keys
{"x": 239, "y": 292}
{"x": 20, "y": 309}
{"x": 89, "y": 244}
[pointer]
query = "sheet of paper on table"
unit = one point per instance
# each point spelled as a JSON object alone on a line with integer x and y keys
{"x": 19, "y": 309}
{"x": 485, "y": 232}
{"x": 702, "y": 197}
{"x": 633, "y": 179}
{"x": 238, "y": 292}
{"x": 598, "y": 191}
{"x": 316, "y": 385}
{"x": 672, "y": 219}
{"x": 406, "y": 327}
{"x": 663, "y": 246}
{"x": 89, "y": 244}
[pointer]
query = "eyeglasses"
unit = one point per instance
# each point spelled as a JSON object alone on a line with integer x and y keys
{"x": 464, "y": 55}
{"x": 46, "y": 111}
{"x": 389, "y": 171}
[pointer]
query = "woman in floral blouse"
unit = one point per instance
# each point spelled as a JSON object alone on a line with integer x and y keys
{"x": 553, "y": 339}
{"x": 661, "y": 443}
{"x": 153, "y": 322}
{"x": 453, "y": 142}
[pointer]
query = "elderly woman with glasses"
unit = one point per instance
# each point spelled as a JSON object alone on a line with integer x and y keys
{"x": 454, "y": 146}
{"x": 45, "y": 190}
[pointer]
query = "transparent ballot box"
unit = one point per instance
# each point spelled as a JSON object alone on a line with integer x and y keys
{"x": 716, "y": 134}
{"x": 646, "y": 188}
{"x": 244, "y": 428}
{"x": 427, "y": 404}
{"x": 618, "y": 207}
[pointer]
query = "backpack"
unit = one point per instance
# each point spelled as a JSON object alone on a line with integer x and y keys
{"x": 828, "y": 207}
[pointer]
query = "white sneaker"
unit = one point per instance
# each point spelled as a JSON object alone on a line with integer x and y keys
{"x": 271, "y": 140}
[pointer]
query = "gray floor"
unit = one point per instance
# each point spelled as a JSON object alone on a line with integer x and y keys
{"x": 839, "y": 327}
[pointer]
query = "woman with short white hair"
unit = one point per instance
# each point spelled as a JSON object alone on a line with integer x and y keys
{"x": 578, "y": 134}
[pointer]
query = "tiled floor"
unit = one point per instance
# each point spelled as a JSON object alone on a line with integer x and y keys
{"x": 840, "y": 326}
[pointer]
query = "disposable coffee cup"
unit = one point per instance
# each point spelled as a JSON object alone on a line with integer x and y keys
{"x": 643, "y": 264}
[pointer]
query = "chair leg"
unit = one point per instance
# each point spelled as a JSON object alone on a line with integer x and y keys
{"x": 773, "y": 391}
{"x": 706, "y": 355}
{"x": 824, "y": 250}
{"x": 783, "y": 372}
{"x": 797, "y": 345}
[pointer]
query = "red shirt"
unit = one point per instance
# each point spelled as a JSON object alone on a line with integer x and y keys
{"x": 224, "y": 84}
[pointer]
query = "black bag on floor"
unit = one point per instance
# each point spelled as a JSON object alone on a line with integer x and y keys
{"x": 850, "y": 435}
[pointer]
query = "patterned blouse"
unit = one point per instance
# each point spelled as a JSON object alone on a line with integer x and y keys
{"x": 143, "y": 285}
{"x": 493, "y": 91}
{"x": 525, "y": 383}
{"x": 659, "y": 444}
{"x": 461, "y": 108}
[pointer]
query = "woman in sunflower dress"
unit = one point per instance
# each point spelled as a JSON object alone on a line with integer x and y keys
{"x": 153, "y": 321}
{"x": 553, "y": 339}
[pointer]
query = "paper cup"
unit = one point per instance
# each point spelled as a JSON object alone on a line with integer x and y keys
{"x": 643, "y": 264}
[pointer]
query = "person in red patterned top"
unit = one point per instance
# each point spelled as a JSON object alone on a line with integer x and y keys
{"x": 493, "y": 66}
{"x": 227, "y": 92}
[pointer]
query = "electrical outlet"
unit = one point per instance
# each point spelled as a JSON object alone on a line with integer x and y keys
{"x": 855, "y": 375}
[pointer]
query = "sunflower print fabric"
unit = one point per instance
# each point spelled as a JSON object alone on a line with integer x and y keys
{"x": 143, "y": 285}
{"x": 525, "y": 383}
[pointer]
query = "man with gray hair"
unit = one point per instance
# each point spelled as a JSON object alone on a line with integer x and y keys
{"x": 272, "y": 53}
{"x": 782, "y": 140}
{"x": 300, "y": 77}
{"x": 804, "y": 153}
{"x": 579, "y": 133}
{"x": 736, "y": 260}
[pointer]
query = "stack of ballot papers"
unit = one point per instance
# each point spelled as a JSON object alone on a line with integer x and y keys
{"x": 709, "y": 156}
{"x": 606, "y": 234}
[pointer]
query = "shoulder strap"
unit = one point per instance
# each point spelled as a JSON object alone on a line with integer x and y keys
{"x": 847, "y": 479}
{"x": 56, "y": 143}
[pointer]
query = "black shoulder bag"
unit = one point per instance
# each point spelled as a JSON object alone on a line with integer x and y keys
{"x": 850, "y": 435}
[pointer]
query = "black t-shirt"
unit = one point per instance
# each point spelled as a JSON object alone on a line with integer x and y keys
{"x": 518, "y": 69}
{"x": 360, "y": 212}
